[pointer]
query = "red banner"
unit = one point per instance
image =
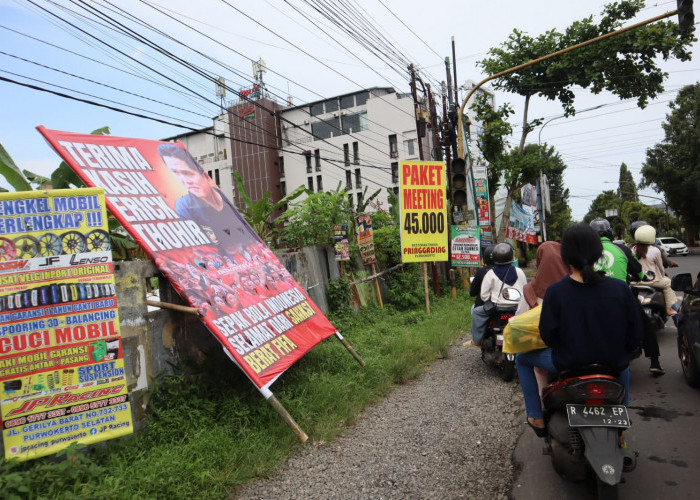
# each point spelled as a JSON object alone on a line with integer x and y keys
{"x": 200, "y": 242}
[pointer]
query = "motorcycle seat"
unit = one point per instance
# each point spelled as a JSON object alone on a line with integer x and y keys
{"x": 592, "y": 369}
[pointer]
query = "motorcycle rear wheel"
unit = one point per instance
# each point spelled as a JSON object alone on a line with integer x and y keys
{"x": 605, "y": 490}
{"x": 508, "y": 370}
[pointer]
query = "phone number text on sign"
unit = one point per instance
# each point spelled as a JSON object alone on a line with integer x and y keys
{"x": 423, "y": 212}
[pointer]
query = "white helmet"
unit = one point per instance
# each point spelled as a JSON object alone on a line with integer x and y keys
{"x": 645, "y": 235}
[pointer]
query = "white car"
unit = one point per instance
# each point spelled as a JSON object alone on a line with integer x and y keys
{"x": 672, "y": 246}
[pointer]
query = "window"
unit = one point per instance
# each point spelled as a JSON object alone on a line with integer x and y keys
{"x": 395, "y": 172}
{"x": 326, "y": 128}
{"x": 316, "y": 109}
{"x": 308, "y": 161}
{"x": 214, "y": 175}
{"x": 396, "y": 191}
{"x": 347, "y": 101}
{"x": 317, "y": 158}
{"x": 283, "y": 188}
{"x": 358, "y": 179}
{"x": 361, "y": 98}
{"x": 331, "y": 105}
{"x": 351, "y": 123}
{"x": 311, "y": 184}
{"x": 393, "y": 146}
{"x": 410, "y": 147}
{"x": 346, "y": 153}
{"x": 359, "y": 199}
{"x": 319, "y": 183}
{"x": 356, "y": 153}
{"x": 351, "y": 200}
{"x": 281, "y": 165}
{"x": 348, "y": 179}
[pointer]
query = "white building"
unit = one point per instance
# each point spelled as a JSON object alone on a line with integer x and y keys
{"x": 211, "y": 148}
{"x": 353, "y": 141}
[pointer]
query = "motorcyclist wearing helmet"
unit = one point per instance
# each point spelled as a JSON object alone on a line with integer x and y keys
{"x": 475, "y": 288}
{"x": 664, "y": 258}
{"x": 502, "y": 275}
{"x": 650, "y": 258}
{"x": 617, "y": 260}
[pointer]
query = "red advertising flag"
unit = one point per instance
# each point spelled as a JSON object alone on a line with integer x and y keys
{"x": 202, "y": 244}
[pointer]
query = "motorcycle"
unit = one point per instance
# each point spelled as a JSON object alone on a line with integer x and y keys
{"x": 585, "y": 417}
{"x": 653, "y": 303}
{"x": 492, "y": 344}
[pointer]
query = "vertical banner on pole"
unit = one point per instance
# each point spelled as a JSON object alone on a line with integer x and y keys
{"x": 423, "y": 213}
{"x": 465, "y": 246}
{"x": 341, "y": 244}
{"x": 365, "y": 239}
{"x": 482, "y": 205}
{"x": 61, "y": 355}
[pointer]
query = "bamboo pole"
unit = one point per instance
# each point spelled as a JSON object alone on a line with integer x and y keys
{"x": 174, "y": 307}
{"x": 287, "y": 418}
{"x": 352, "y": 351}
{"x": 425, "y": 286}
{"x": 376, "y": 284}
{"x": 453, "y": 286}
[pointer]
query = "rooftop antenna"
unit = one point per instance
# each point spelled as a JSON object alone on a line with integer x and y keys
{"x": 221, "y": 91}
{"x": 259, "y": 68}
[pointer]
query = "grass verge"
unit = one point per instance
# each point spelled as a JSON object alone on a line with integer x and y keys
{"x": 210, "y": 430}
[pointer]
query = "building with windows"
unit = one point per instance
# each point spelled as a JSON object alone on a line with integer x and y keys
{"x": 352, "y": 141}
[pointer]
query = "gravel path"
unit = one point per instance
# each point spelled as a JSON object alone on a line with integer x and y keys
{"x": 449, "y": 434}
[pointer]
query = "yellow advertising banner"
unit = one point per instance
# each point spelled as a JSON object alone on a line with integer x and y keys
{"x": 423, "y": 213}
{"x": 61, "y": 355}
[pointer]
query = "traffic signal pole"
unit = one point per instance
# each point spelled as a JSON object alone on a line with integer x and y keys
{"x": 460, "y": 128}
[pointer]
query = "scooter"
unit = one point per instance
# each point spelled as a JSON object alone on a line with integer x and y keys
{"x": 653, "y": 304}
{"x": 585, "y": 418}
{"x": 492, "y": 344}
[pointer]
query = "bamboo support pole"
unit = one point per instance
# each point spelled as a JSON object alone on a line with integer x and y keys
{"x": 453, "y": 286}
{"x": 376, "y": 284}
{"x": 352, "y": 351}
{"x": 287, "y": 418}
{"x": 425, "y": 286}
{"x": 174, "y": 307}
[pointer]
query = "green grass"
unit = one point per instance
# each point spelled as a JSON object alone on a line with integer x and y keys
{"x": 210, "y": 430}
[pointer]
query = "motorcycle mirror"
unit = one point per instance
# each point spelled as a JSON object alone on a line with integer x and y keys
{"x": 682, "y": 282}
{"x": 651, "y": 275}
{"x": 511, "y": 294}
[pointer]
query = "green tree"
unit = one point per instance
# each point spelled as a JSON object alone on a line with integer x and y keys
{"x": 672, "y": 167}
{"x": 626, "y": 187}
{"x": 625, "y": 65}
{"x": 560, "y": 217}
{"x": 12, "y": 173}
{"x": 259, "y": 213}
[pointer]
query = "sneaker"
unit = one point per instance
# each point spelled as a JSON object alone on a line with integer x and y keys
{"x": 656, "y": 370}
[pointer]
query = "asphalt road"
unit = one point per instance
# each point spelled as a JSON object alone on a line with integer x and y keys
{"x": 665, "y": 415}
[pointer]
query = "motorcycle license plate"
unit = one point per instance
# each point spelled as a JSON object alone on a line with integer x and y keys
{"x": 597, "y": 416}
{"x": 499, "y": 339}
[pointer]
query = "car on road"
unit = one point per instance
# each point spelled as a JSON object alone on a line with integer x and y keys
{"x": 689, "y": 327}
{"x": 673, "y": 246}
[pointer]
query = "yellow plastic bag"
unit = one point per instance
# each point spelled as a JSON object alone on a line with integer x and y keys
{"x": 522, "y": 333}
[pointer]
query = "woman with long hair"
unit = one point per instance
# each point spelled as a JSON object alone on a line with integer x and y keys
{"x": 649, "y": 256}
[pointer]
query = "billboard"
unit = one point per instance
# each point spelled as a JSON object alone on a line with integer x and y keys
{"x": 481, "y": 195}
{"x": 214, "y": 259}
{"x": 61, "y": 357}
{"x": 423, "y": 213}
{"x": 365, "y": 239}
{"x": 521, "y": 225}
{"x": 465, "y": 246}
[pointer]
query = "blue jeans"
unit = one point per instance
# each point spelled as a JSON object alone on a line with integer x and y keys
{"x": 526, "y": 362}
{"x": 542, "y": 358}
{"x": 479, "y": 321}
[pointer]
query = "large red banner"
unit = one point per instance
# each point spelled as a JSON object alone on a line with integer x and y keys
{"x": 200, "y": 242}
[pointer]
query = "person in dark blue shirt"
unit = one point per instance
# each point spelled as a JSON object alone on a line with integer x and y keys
{"x": 588, "y": 318}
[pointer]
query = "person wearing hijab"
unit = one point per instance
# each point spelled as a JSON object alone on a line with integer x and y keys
{"x": 534, "y": 367}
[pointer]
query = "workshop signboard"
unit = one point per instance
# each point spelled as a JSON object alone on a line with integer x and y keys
{"x": 61, "y": 356}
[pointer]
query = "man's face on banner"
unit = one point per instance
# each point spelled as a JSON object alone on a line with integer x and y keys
{"x": 196, "y": 183}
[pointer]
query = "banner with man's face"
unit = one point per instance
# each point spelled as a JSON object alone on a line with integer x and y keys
{"x": 202, "y": 244}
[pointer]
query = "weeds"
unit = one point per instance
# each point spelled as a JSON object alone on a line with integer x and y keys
{"x": 210, "y": 430}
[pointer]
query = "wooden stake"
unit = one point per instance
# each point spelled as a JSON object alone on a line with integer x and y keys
{"x": 425, "y": 286}
{"x": 287, "y": 417}
{"x": 174, "y": 307}
{"x": 350, "y": 349}
{"x": 453, "y": 287}
{"x": 376, "y": 284}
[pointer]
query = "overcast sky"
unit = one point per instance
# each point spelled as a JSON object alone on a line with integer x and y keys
{"x": 307, "y": 57}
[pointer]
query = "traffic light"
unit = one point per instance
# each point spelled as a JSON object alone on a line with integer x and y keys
{"x": 458, "y": 183}
{"x": 686, "y": 18}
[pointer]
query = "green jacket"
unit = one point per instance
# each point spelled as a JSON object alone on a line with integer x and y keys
{"x": 619, "y": 262}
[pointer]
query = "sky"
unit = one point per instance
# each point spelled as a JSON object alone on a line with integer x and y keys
{"x": 64, "y": 47}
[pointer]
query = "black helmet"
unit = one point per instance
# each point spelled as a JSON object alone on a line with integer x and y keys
{"x": 602, "y": 227}
{"x": 503, "y": 254}
{"x": 488, "y": 255}
{"x": 636, "y": 225}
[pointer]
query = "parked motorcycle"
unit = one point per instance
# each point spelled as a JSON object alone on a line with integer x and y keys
{"x": 585, "y": 417}
{"x": 492, "y": 344}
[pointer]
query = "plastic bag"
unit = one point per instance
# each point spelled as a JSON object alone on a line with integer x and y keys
{"x": 522, "y": 333}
